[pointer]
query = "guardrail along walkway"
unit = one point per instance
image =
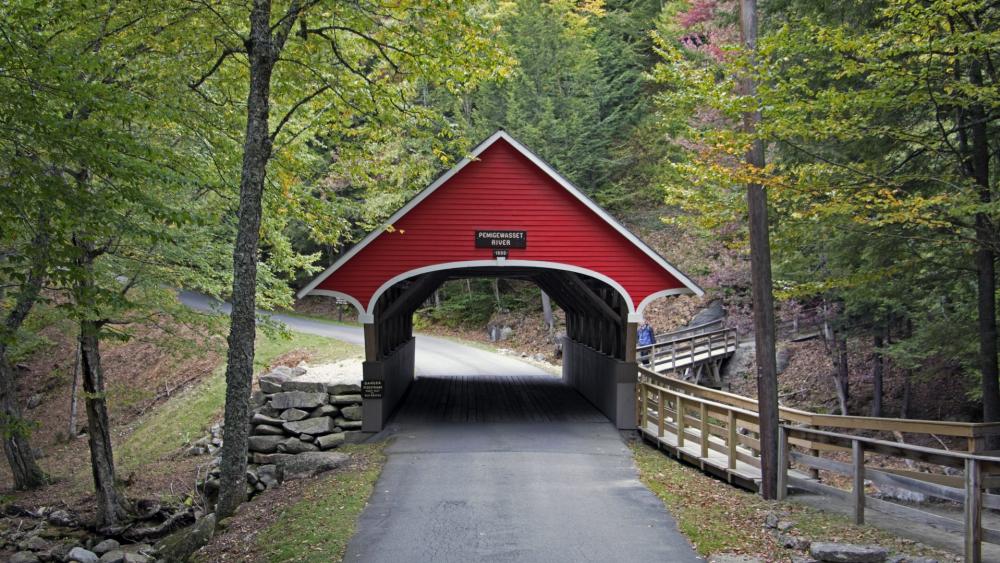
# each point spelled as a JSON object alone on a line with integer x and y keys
{"x": 719, "y": 432}
{"x": 693, "y": 353}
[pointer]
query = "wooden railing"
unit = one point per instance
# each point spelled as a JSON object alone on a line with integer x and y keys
{"x": 688, "y": 350}
{"x": 718, "y": 432}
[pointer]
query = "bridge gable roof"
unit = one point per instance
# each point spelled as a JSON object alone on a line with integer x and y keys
{"x": 501, "y": 186}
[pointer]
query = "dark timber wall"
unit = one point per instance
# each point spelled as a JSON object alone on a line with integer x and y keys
{"x": 396, "y": 373}
{"x": 608, "y": 383}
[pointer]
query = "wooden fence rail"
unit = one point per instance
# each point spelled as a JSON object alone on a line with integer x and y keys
{"x": 718, "y": 432}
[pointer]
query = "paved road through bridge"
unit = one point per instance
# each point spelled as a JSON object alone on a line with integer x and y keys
{"x": 493, "y": 459}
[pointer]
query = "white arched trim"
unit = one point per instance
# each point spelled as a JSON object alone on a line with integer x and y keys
{"x": 363, "y": 317}
{"x": 539, "y": 264}
{"x": 653, "y": 296}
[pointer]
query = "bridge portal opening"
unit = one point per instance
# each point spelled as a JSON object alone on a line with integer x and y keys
{"x": 503, "y": 212}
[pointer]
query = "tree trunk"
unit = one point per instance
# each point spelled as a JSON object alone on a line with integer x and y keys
{"x": 906, "y": 410}
{"x": 73, "y": 396}
{"x": 985, "y": 261}
{"x": 878, "y": 369}
{"x": 842, "y": 373}
{"x": 239, "y": 369}
{"x": 111, "y": 509}
{"x": 760, "y": 275}
{"x": 27, "y": 474}
{"x": 496, "y": 293}
{"x": 547, "y": 312}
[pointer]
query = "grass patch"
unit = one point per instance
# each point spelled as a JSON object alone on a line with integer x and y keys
{"x": 318, "y": 527}
{"x": 719, "y": 518}
{"x": 187, "y": 416}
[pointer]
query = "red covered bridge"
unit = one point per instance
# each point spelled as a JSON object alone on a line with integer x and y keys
{"x": 503, "y": 212}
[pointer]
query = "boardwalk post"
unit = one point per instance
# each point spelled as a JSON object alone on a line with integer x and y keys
{"x": 731, "y": 442}
{"x": 858, "y": 490}
{"x": 680, "y": 421}
{"x": 660, "y": 413}
{"x": 703, "y": 413}
{"x": 782, "y": 463}
{"x": 973, "y": 512}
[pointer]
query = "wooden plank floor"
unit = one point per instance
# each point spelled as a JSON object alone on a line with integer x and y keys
{"x": 497, "y": 398}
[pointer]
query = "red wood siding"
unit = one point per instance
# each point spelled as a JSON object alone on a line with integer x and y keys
{"x": 503, "y": 190}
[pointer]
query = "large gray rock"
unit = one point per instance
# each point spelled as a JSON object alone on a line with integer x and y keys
{"x": 34, "y": 543}
{"x": 347, "y": 424}
{"x": 352, "y": 412}
{"x": 305, "y": 386}
{"x": 331, "y": 441}
{"x": 269, "y": 475}
{"x": 271, "y": 383}
{"x": 267, "y": 430}
{"x": 296, "y": 446}
{"x": 268, "y": 459}
{"x": 259, "y": 418}
{"x": 62, "y": 518}
{"x": 314, "y": 426}
{"x": 310, "y": 464}
{"x": 291, "y": 415}
{"x": 265, "y": 444}
{"x": 847, "y": 553}
{"x": 345, "y": 399}
{"x": 324, "y": 410}
{"x": 355, "y": 436}
{"x": 713, "y": 312}
{"x": 82, "y": 555}
{"x": 24, "y": 557}
{"x": 106, "y": 546}
{"x": 343, "y": 388}
{"x": 298, "y": 400}
{"x": 122, "y": 556}
{"x": 178, "y": 546}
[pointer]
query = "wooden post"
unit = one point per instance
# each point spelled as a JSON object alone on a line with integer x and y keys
{"x": 858, "y": 491}
{"x": 680, "y": 420}
{"x": 660, "y": 414}
{"x": 703, "y": 413}
{"x": 371, "y": 342}
{"x": 644, "y": 412}
{"x": 973, "y": 512}
{"x": 782, "y": 463}
{"x": 732, "y": 441}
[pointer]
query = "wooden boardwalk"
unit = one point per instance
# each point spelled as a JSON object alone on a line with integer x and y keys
{"x": 494, "y": 398}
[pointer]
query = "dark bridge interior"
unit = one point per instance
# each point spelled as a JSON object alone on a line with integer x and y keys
{"x": 598, "y": 354}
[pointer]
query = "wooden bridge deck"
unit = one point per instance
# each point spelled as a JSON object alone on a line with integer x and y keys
{"x": 495, "y": 398}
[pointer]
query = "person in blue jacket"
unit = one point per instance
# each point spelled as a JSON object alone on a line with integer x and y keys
{"x": 646, "y": 337}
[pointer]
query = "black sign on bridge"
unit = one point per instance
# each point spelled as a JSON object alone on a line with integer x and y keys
{"x": 501, "y": 241}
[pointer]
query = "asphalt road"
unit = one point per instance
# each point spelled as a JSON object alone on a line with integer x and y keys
{"x": 560, "y": 490}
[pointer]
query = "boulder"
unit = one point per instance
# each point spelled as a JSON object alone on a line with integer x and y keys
{"x": 347, "y": 424}
{"x": 307, "y": 437}
{"x": 345, "y": 399}
{"x": 713, "y": 312}
{"x": 122, "y": 556}
{"x": 62, "y": 518}
{"x": 106, "y": 546}
{"x": 305, "y": 386}
{"x": 82, "y": 555}
{"x": 298, "y": 400}
{"x": 259, "y": 418}
{"x": 178, "y": 546}
{"x": 314, "y": 426}
{"x": 352, "y": 412}
{"x": 343, "y": 388}
{"x": 267, "y": 430}
{"x": 34, "y": 543}
{"x": 847, "y": 553}
{"x": 324, "y": 410}
{"x": 264, "y": 444}
{"x": 24, "y": 557}
{"x": 331, "y": 440}
{"x": 292, "y": 415}
{"x": 258, "y": 398}
{"x": 310, "y": 464}
{"x": 272, "y": 382}
{"x": 797, "y": 543}
{"x": 268, "y": 475}
{"x": 296, "y": 446}
{"x": 268, "y": 459}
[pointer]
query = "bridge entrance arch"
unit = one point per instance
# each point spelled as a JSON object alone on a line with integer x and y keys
{"x": 503, "y": 212}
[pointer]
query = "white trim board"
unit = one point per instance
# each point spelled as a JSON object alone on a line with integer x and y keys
{"x": 689, "y": 286}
